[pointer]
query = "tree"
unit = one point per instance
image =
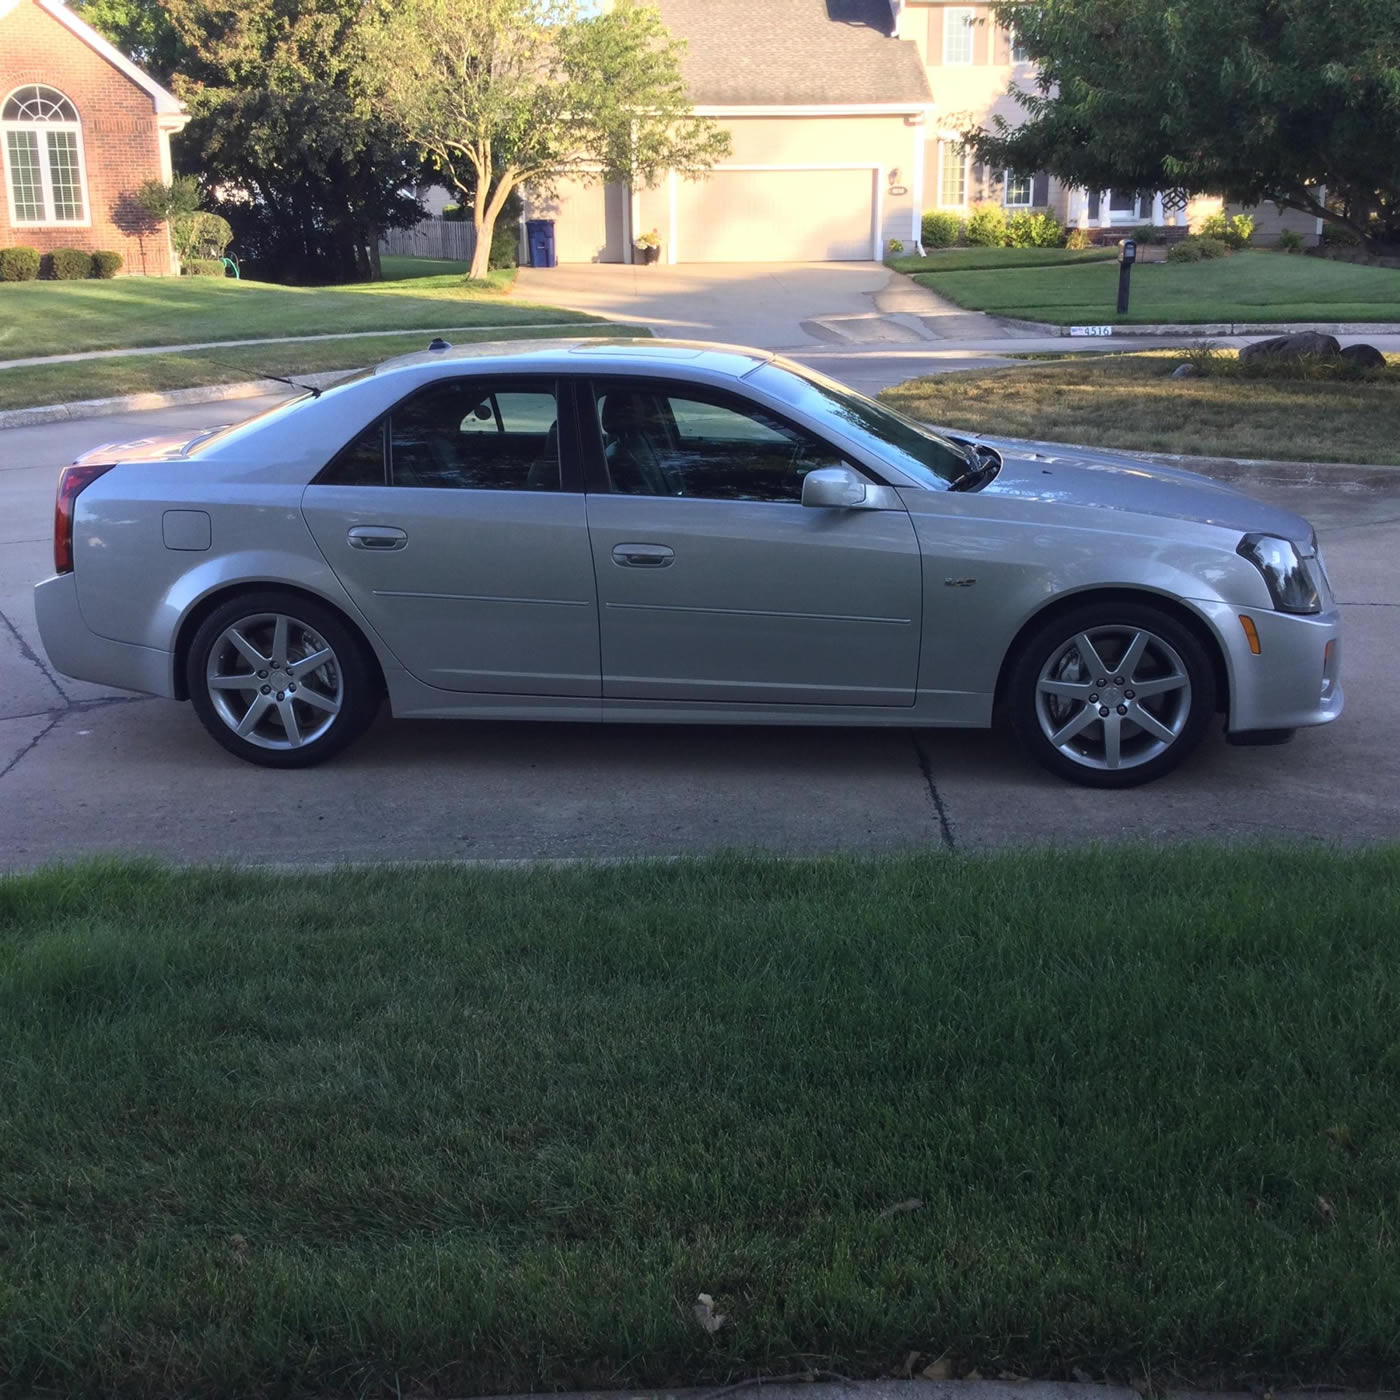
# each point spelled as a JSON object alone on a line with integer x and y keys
{"x": 505, "y": 93}
{"x": 141, "y": 29}
{"x": 1251, "y": 99}
{"x": 286, "y": 138}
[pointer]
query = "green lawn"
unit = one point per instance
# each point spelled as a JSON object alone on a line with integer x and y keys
{"x": 136, "y": 374}
{"x": 1245, "y": 287}
{"x": 1131, "y": 402}
{"x": 969, "y": 259}
{"x": 52, "y": 318}
{"x": 454, "y": 1132}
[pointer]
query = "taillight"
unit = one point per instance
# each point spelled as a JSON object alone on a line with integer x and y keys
{"x": 71, "y": 482}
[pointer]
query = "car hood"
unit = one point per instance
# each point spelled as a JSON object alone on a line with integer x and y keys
{"x": 1112, "y": 481}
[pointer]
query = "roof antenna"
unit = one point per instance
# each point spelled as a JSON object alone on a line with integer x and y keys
{"x": 438, "y": 343}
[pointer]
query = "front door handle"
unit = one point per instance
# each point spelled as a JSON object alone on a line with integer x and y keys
{"x": 380, "y": 537}
{"x": 643, "y": 556}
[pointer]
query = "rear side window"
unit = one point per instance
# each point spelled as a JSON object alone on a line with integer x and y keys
{"x": 477, "y": 435}
{"x": 360, "y": 462}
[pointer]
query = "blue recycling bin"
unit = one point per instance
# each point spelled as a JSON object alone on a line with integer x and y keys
{"x": 539, "y": 235}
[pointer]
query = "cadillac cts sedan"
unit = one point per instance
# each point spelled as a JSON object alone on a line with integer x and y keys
{"x": 653, "y": 531}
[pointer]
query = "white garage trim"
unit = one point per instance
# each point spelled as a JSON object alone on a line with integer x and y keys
{"x": 877, "y": 173}
{"x": 852, "y": 109}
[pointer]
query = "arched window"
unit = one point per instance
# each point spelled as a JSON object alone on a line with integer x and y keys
{"x": 43, "y": 149}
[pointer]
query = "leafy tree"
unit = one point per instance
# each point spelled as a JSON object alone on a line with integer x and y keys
{"x": 1252, "y": 99}
{"x": 504, "y": 93}
{"x": 285, "y": 136}
{"x": 141, "y": 29}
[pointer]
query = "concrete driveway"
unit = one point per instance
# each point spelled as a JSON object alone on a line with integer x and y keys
{"x": 86, "y": 771}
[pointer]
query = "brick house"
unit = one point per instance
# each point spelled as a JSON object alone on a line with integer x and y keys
{"x": 81, "y": 129}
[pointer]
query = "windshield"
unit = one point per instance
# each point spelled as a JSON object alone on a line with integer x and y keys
{"x": 232, "y": 431}
{"x": 924, "y": 455}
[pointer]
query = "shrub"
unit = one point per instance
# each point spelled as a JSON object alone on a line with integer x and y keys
{"x": 1290, "y": 241}
{"x": 1146, "y": 234}
{"x": 1034, "y": 229}
{"x": 454, "y": 213}
{"x": 70, "y": 264}
{"x": 200, "y": 235}
{"x": 1078, "y": 239}
{"x": 940, "y": 229}
{"x": 202, "y": 267}
{"x": 1213, "y": 247}
{"x": 106, "y": 263}
{"x": 986, "y": 226}
{"x": 19, "y": 264}
{"x": 1235, "y": 230}
{"x": 894, "y": 247}
{"x": 1187, "y": 251}
{"x": 1340, "y": 235}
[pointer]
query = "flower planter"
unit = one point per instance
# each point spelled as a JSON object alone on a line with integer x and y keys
{"x": 649, "y": 255}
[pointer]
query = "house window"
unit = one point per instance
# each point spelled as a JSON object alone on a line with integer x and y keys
{"x": 1018, "y": 191}
{"x": 43, "y": 157}
{"x": 957, "y": 36}
{"x": 1019, "y": 52}
{"x": 952, "y": 185}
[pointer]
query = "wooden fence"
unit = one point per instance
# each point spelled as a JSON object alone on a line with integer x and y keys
{"x": 433, "y": 238}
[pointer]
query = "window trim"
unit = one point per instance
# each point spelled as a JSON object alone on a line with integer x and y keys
{"x": 1015, "y": 42}
{"x": 597, "y": 482}
{"x": 41, "y": 130}
{"x": 945, "y": 149}
{"x": 1006, "y": 200}
{"x": 970, "y": 18}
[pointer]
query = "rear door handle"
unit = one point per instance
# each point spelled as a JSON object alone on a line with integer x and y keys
{"x": 377, "y": 537}
{"x": 643, "y": 556}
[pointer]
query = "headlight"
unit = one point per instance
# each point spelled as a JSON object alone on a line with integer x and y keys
{"x": 1292, "y": 579}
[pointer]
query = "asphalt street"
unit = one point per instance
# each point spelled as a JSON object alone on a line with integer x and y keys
{"x": 85, "y": 771}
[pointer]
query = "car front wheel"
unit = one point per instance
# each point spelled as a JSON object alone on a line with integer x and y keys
{"x": 280, "y": 680}
{"x": 1111, "y": 695}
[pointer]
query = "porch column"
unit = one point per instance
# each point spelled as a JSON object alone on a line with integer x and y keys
{"x": 1158, "y": 218}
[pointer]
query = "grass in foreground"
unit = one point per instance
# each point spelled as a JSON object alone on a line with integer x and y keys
{"x": 54, "y": 318}
{"x": 136, "y": 374}
{"x": 971, "y": 259}
{"x": 464, "y": 1132}
{"x": 1245, "y": 287}
{"x": 1131, "y": 402}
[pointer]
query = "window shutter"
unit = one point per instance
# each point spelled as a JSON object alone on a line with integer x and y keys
{"x": 1040, "y": 190}
{"x": 1094, "y": 198}
{"x": 1001, "y": 40}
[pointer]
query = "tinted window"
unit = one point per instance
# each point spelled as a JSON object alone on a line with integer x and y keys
{"x": 478, "y": 434}
{"x": 926, "y": 456}
{"x": 359, "y": 463}
{"x": 702, "y": 444}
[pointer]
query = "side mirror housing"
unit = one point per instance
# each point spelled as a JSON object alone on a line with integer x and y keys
{"x": 835, "y": 488}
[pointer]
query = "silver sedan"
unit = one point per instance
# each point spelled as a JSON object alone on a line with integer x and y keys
{"x": 651, "y": 531}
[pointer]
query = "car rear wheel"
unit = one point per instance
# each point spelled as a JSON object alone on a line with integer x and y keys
{"x": 280, "y": 680}
{"x": 1111, "y": 695}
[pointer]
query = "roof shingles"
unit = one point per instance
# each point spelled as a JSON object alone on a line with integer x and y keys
{"x": 794, "y": 52}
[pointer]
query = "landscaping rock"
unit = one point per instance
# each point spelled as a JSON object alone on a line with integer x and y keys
{"x": 1293, "y": 346}
{"x": 1363, "y": 357}
{"x": 1185, "y": 372}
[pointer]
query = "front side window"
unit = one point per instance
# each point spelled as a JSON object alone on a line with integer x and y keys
{"x": 477, "y": 434}
{"x": 43, "y": 157}
{"x": 957, "y": 35}
{"x": 702, "y": 444}
{"x": 1018, "y": 191}
{"x": 953, "y": 185}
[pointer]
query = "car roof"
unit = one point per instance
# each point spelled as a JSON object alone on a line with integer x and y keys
{"x": 578, "y": 356}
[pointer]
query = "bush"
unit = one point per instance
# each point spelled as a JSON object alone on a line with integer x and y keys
{"x": 1339, "y": 235}
{"x": 70, "y": 264}
{"x": 1290, "y": 241}
{"x": 202, "y": 267}
{"x": 200, "y": 235}
{"x": 894, "y": 248}
{"x": 106, "y": 263}
{"x": 19, "y": 264}
{"x": 1235, "y": 230}
{"x": 986, "y": 226}
{"x": 940, "y": 230}
{"x": 1078, "y": 239}
{"x": 1187, "y": 251}
{"x": 1214, "y": 247}
{"x": 1034, "y": 229}
{"x": 454, "y": 213}
{"x": 1146, "y": 234}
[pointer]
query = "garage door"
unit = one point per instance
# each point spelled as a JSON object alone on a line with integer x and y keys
{"x": 776, "y": 216}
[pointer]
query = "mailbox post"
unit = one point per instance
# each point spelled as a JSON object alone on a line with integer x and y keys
{"x": 1127, "y": 256}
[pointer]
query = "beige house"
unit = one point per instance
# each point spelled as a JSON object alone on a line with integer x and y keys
{"x": 827, "y": 110}
{"x": 971, "y": 63}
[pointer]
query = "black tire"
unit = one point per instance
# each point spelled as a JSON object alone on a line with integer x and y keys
{"x": 330, "y": 705}
{"x": 1172, "y": 663}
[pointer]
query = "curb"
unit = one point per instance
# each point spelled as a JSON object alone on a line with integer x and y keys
{"x": 1201, "y": 332}
{"x": 172, "y": 398}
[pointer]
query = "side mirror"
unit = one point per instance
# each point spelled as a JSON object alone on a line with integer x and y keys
{"x": 836, "y": 488}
